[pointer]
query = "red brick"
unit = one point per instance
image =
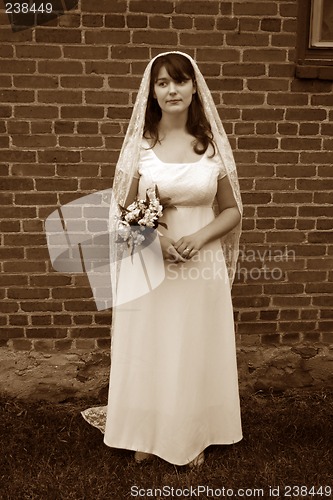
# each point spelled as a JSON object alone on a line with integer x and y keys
{"x": 297, "y": 301}
{"x": 247, "y": 39}
{"x": 138, "y": 21}
{"x": 248, "y": 24}
{"x": 45, "y": 333}
{"x": 36, "y": 199}
{"x": 56, "y": 184}
{"x": 278, "y": 157}
{"x": 58, "y": 35}
{"x": 265, "y": 224}
{"x": 226, "y": 24}
{"x": 257, "y": 143}
{"x": 17, "y": 96}
{"x": 91, "y": 332}
{"x": 263, "y": 55}
{"x": 107, "y": 37}
{"x": 103, "y": 97}
{"x": 17, "y": 66}
{"x": 321, "y": 237}
{"x": 243, "y": 69}
{"x": 182, "y": 22}
{"x": 296, "y": 171}
{"x": 286, "y": 236}
{"x": 38, "y": 111}
{"x": 18, "y": 212}
{"x": 59, "y": 156}
{"x": 211, "y": 69}
{"x": 5, "y": 111}
{"x": 70, "y": 293}
{"x": 81, "y": 112}
{"x": 301, "y": 144}
{"x": 42, "y": 127}
{"x": 266, "y": 128}
{"x": 161, "y": 22}
{"x": 11, "y": 253}
{"x": 18, "y": 184}
{"x": 262, "y": 114}
{"x": 34, "y": 141}
{"x": 70, "y": 20}
{"x": 60, "y": 67}
{"x": 271, "y": 211}
{"x": 288, "y": 9}
{"x": 34, "y": 170}
{"x": 114, "y": 21}
{"x": 80, "y": 142}
{"x": 21, "y": 344}
{"x": 11, "y": 333}
{"x": 84, "y": 82}
{"x": 311, "y": 86}
{"x": 281, "y": 70}
{"x": 289, "y": 25}
{"x": 306, "y": 114}
{"x": 5, "y": 81}
{"x": 255, "y": 8}
{"x": 287, "y": 128}
{"x": 283, "y": 40}
{"x": 33, "y": 82}
{"x": 120, "y": 113}
{"x": 7, "y": 226}
{"x": 271, "y": 25}
{"x": 309, "y": 129}
{"x": 40, "y": 306}
{"x": 287, "y": 99}
{"x": 306, "y": 224}
{"x": 324, "y": 224}
{"x": 197, "y": 7}
{"x": 85, "y": 52}
{"x": 38, "y": 51}
{"x": 202, "y": 39}
{"x": 318, "y": 157}
{"x": 104, "y": 6}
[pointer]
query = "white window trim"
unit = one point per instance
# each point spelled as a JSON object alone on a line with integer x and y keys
{"x": 315, "y": 26}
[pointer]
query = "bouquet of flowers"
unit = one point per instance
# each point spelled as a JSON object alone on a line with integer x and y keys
{"x": 141, "y": 216}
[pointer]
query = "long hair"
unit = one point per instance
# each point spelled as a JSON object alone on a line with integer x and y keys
{"x": 179, "y": 68}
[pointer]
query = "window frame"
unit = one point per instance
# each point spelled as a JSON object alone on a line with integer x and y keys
{"x": 311, "y": 61}
{"x": 315, "y": 26}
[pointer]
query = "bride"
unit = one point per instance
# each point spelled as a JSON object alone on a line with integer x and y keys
{"x": 173, "y": 380}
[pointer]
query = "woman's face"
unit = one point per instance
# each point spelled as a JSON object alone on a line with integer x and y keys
{"x": 173, "y": 97}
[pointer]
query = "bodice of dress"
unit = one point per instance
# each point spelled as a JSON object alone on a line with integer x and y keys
{"x": 186, "y": 184}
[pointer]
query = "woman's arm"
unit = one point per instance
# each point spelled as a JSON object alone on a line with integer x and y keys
{"x": 228, "y": 218}
{"x": 133, "y": 192}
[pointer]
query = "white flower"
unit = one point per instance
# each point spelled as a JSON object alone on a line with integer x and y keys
{"x": 124, "y": 230}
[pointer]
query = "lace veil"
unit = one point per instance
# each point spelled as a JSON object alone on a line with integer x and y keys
{"x": 129, "y": 158}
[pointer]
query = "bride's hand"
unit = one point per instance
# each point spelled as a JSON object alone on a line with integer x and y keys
{"x": 168, "y": 250}
{"x": 189, "y": 245}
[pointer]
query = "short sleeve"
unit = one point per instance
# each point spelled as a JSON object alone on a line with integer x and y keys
{"x": 221, "y": 168}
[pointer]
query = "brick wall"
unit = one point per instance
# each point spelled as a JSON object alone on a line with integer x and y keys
{"x": 66, "y": 91}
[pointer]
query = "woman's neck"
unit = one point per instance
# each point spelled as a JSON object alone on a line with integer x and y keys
{"x": 169, "y": 125}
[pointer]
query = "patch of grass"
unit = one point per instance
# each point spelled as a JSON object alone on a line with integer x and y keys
{"x": 47, "y": 451}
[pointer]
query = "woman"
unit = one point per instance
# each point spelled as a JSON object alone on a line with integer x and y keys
{"x": 173, "y": 380}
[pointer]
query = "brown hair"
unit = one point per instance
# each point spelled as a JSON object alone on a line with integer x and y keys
{"x": 179, "y": 69}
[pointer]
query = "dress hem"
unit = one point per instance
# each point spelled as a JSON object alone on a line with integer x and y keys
{"x": 155, "y": 453}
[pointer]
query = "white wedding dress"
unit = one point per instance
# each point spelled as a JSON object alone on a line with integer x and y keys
{"x": 173, "y": 380}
